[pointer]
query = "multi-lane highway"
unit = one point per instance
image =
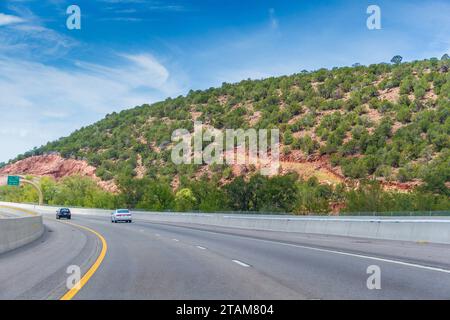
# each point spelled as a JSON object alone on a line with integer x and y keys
{"x": 147, "y": 260}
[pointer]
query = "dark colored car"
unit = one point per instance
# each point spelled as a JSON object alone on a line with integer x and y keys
{"x": 63, "y": 213}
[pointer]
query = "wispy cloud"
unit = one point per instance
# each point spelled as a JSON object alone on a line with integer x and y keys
{"x": 131, "y": 10}
{"x": 166, "y": 8}
{"x": 123, "y": 19}
{"x": 138, "y": 70}
{"x": 30, "y": 38}
{"x": 137, "y": 10}
{"x": 53, "y": 81}
{"x": 6, "y": 19}
{"x": 52, "y": 102}
{"x": 147, "y": 5}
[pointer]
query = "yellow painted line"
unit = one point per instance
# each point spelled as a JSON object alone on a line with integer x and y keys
{"x": 77, "y": 287}
{"x": 33, "y": 213}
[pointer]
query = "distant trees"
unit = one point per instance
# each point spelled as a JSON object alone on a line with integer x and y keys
{"x": 354, "y": 168}
{"x": 157, "y": 196}
{"x": 240, "y": 195}
{"x": 370, "y": 197}
{"x": 313, "y": 197}
{"x": 437, "y": 175}
{"x": 261, "y": 193}
{"x": 70, "y": 191}
{"x": 285, "y": 193}
{"x": 78, "y": 191}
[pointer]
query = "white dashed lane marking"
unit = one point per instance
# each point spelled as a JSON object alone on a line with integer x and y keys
{"x": 241, "y": 263}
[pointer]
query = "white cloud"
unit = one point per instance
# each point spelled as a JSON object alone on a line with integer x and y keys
{"x": 140, "y": 70}
{"x": 122, "y": 19}
{"x": 31, "y": 39}
{"x": 147, "y": 63}
{"x": 148, "y": 5}
{"x": 51, "y": 102}
{"x": 6, "y": 19}
{"x": 45, "y": 94}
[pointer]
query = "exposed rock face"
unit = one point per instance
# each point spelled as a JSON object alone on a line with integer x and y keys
{"x": 50, "y": 165}
{"x": 57, "y": 167}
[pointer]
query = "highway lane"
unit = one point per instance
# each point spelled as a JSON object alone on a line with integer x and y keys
{"x": 147, "y": 265}
{"x": 322, "y": 272}
{"x": 162, "y": 261}
{"x": 269, "y": 268}
{"x": 38, "y": 270}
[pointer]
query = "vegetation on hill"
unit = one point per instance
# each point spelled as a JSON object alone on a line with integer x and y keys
{"x": 383, "y": 122}
{"x": 278, "y": 194}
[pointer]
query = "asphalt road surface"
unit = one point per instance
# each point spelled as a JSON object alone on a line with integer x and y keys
{"x": 145, "y": 260}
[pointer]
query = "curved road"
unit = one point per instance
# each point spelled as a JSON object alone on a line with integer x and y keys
{"x": 146, "y": 260}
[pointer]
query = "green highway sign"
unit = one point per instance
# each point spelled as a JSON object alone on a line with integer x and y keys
{"x": 13, "y": 180}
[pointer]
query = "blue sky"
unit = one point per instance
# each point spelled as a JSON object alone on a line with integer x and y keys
{"x": 129, "y": 52}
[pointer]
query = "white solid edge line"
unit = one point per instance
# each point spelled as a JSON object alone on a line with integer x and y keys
{"x": 241, "y": 263}
{"x": 201, "y": 248}
{"x": 176, "y": 240}
{"x": 407, "y": 264}
{"x": 361, "y": 256}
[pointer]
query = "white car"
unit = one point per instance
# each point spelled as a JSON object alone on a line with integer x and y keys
{"x": 121, "y": 215}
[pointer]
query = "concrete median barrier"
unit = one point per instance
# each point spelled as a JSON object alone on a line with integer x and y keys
{"x": 427, "y": 229}
{"x": 18, "y": 228}
{"x": 411, "y": 228}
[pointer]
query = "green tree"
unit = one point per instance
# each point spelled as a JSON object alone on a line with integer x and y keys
{"x": 239, "y": 194}
{"x": 288, "y": 138}
{"x": 312, "y": 198}
{"x": 157, "y": 196}
{"x": 184, "y": 200}
{"x": 397, "y": 59}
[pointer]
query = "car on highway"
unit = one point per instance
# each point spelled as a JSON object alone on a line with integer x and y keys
{"x": 63, "y": 213}
{"x": 121, "y": 215}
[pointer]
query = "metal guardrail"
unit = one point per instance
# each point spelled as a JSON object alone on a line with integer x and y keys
{"x": 399, "y": 214}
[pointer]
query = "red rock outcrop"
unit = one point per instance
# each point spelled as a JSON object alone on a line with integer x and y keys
{"x": 57, "y": 167}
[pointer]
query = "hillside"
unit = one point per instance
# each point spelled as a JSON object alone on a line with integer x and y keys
{"x": 388, "y": 122}
{"x": 55, "y": 166}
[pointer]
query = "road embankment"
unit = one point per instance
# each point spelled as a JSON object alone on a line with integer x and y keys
{"x": 18, "y": 227}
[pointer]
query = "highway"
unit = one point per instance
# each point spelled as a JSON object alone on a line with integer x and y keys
{"x": 148, "y": 260}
